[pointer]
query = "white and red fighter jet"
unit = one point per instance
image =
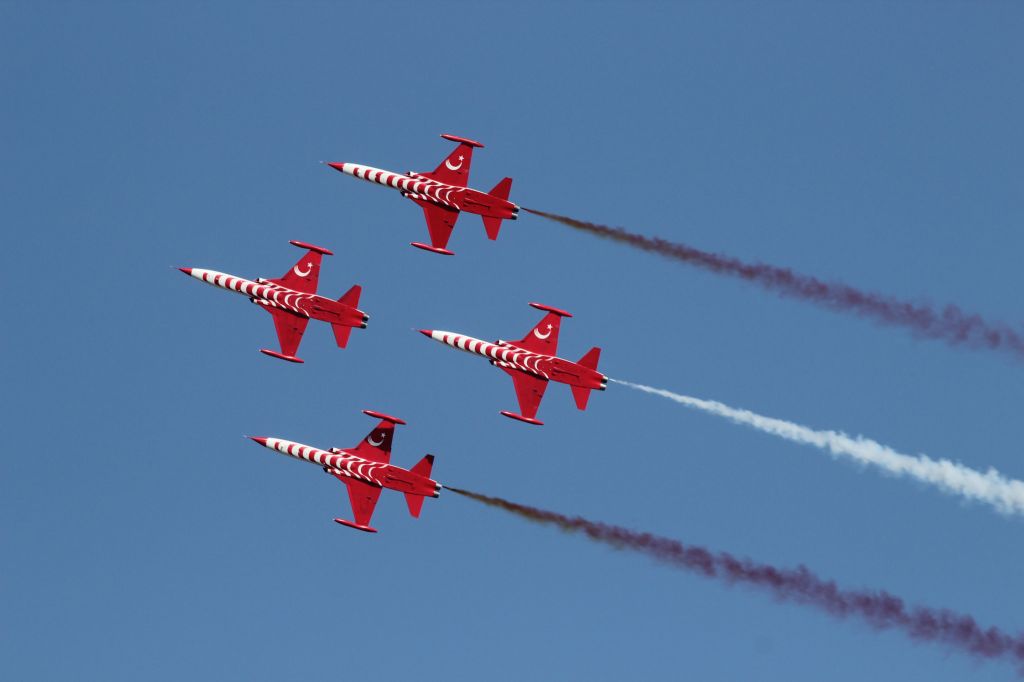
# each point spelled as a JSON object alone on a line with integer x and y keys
{"x": 443, "y": 194}
{"x": 366, "y": 470}
{"x": 532, "y": 363}
{"x": 292, "y": 301}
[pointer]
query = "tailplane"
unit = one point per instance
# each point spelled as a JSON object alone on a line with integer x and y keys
{"x": 500, "y": 191}
{"x": 580, "y": 394}
{"x": 415, "y": 503}
{"x": 422, "y": 468}
{"x": 342, "y": 332}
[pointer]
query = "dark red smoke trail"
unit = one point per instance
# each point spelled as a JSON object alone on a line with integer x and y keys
{"x": 951, "y": 324}
{"x": 879, "y": 609}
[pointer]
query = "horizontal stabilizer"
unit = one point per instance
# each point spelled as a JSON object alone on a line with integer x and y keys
{"x": 415, "y": 503}
{"x": 492, "y": 225}
{"x": 341, "y": 334}
{"x": 581, "y": 396}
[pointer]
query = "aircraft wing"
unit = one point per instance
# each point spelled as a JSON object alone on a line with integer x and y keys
{"x": 305, "y": 274}
{"x": 376, "y": 447}
{"x": 440, "y": 223}
{"x": 529, "y": 390}
{"x": 543, "y": 338}
{"x": 290, "y": 328}
{"x": 454, "y": 170}
{"x": 363, "y": 497}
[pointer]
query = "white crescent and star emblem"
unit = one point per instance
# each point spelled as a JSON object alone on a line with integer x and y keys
{"x": 309, "y": 269}
{"x": 536, "y": 332}
{"x": 375, "y": 443}
{"x": 451, "y": 167}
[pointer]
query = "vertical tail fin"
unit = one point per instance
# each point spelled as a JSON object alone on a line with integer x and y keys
{"x": 424, "y": 466}
{"x": 351, "y": 297}
{"x": 589, "y": 361}
{"x": 500, "y": 191}
{"x": 415, "y": 502}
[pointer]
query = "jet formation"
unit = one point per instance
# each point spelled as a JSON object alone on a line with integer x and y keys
{"x": 292, "y": 302}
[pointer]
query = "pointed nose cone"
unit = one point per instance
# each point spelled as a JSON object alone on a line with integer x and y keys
{"x": 340, "y": 167}
{"x": 187, "y": 271}
{"x": 262, "y": 441}
{"x": 429, "y": 333}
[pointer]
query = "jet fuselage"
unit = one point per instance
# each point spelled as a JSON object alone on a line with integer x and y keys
{"x": 509, "y": 356}
{"x": 343, "y": 463}
{"x": 273, "y": 295}
{"x": 418, "y": 187}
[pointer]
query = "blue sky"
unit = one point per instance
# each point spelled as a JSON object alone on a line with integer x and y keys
{"x": 871, "y": 143}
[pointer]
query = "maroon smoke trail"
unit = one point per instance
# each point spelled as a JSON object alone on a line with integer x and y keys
{"x": 951, "y": 324}
{"x": 879, "y": 609}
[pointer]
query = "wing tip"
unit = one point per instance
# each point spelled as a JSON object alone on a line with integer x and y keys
{"x": 461, "y": 140}
{"x": 550, "y": 309}
{"x": 432, "y": 249}
{"x": 385, "y": 417}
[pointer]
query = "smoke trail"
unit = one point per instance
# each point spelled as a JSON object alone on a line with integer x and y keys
{"x": 879, "y": 609}
{"x": 951, "y": 324}
{"x": 991, "y": 487}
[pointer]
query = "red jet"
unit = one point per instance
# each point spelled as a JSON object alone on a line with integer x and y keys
{"x": 443, "y": 194}
{"x": 531, "y": 362}
{"x": 292, "y": 301}
{"x": 365, "y": 470}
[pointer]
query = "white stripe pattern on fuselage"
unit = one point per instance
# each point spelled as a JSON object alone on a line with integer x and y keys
{"x": 340, "y": 462}
{"x": 503, "y": 355}
{"x": 413, "y": 185}
{"x": 263, "y": 293}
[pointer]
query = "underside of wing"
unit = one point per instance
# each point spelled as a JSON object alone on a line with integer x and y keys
{"x": 363, "y": 497}
{"x": 290, "y": 328}
{"x": 440, "y": 223}
{"x": 529, "y": 390}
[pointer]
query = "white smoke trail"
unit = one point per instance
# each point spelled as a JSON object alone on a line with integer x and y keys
{"x": 991, "y": 487}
